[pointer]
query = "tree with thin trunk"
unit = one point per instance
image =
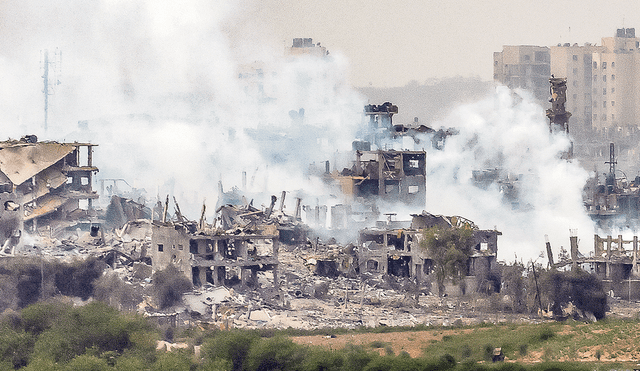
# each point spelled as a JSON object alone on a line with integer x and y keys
{"x": 450, "y": 249}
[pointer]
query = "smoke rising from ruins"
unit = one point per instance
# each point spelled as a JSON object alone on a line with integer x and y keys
{"x": 535, "y": 193}
{"x": 176, "y": 105}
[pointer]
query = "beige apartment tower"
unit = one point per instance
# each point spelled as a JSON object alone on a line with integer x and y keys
{"x": 523, "y": 66}
{"x": 603, "y": 82}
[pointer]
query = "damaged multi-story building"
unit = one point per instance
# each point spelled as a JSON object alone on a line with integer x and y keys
{"x": 393, "y": 248}
{"x": 42, "y": 182}
{"x": 245, "y": 243}
{"x": 395, "y": 176}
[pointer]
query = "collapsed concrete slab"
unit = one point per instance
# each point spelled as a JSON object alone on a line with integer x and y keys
{"x": 42, "y": 179}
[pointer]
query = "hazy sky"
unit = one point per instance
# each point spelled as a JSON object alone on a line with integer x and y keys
{"x": 392, "y": 42}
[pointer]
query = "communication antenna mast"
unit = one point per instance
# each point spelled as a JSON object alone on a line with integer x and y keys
{"x": 51, "y": 79}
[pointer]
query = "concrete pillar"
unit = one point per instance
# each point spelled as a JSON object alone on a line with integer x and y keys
{"x": 244, "y": 275}
{"x": 203, "y": 275}
{"x": 215, "y": 275}
{"x": 574, "y": 252}
{"x": 620, "y": 243}
{"x": 635, "y": 255}
{"x": 276, "y": 281}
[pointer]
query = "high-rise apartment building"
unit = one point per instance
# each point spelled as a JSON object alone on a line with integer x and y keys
{"x": 603, "y": 81}
{"x": 523, "y": 66}
{"x": 603, "y": 90}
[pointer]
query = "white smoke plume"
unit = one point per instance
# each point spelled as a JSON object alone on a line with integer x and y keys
{"x": 508, "y": 131}
{"x": 158, "y": 84}
{"x": 176, "y": 95}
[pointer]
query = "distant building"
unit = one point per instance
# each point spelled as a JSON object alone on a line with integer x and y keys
{"x": 602, "y": 80}
{"x": 523, "y": 66}
{"x": 305, "y": 46}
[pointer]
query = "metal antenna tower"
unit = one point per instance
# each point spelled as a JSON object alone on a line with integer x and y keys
{"x": 50, "y": 79}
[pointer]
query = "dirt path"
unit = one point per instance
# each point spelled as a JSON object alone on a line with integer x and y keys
{"x": 412, "y": 342}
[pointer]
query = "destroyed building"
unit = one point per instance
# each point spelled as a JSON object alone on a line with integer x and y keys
{"x": 305, "y": 46}
{"x": 40, "y": 180}
{"x": 389, "y": 175}
{"x": 246, "y": 242}
{"x": 219, "y": 259}
{"x": 394, "y": 250}
{"x": 616, "y": 201}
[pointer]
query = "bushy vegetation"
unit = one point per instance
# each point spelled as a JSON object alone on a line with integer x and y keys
{"x": 46, "y": 334}
{"x": 26, "y": 281}
{"x": 56, "y": 336}
{"x": 582, "y": 289}
{"x": 169, "y": 285}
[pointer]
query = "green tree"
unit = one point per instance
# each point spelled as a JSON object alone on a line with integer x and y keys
{"x": 95, "y": 327}
{"x": 169, "y": 285}
{"x": 277, "y": 353}
{"x": 450, "y": 249}
{"x": 514, "y": 285}
{"x": 583, "y": 289}
{"x": 232, "y": 346}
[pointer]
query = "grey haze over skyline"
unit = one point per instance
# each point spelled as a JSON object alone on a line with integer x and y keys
{"x": 391, "y": 43}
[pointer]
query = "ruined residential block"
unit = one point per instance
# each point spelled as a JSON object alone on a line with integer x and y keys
{"x": 219, "y": 259}
{"x": 42, "y": 179}
{"x": 397, "y": 251}
{"x": 389, "y": 175}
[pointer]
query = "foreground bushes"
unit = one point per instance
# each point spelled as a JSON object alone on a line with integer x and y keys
{"x": 56, "y": 336}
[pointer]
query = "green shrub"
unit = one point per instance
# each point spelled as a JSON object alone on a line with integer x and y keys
{"x": 87, "y": 363}
{"x": 232, "y": 346}
{"x": 277, "y": 353}
{"x": 169, "y": 285}
{"x": 174, "y": 361}
{"x": 93, "y": 326}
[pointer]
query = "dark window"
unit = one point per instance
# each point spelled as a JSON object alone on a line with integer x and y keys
{"x": 613, "y": 77}
{"x": 193, "y": 246}
{"x": 575, "y": 57}
{"x": 613, "y": 64}
{"x": 160, "y": 247}
{"x": 595, "y": 64}
{"x": 372, "y": 265}
{"x": 604, "y": 65}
